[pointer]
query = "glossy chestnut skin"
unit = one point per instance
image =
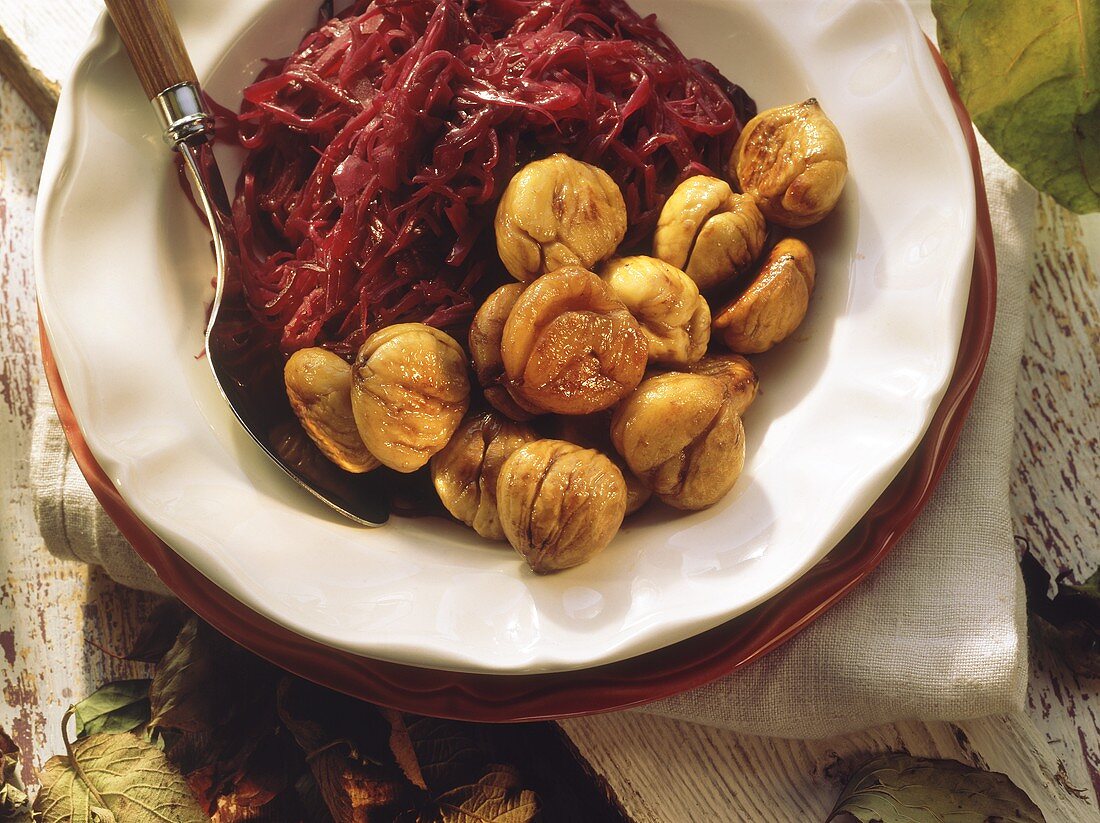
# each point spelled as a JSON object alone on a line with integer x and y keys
{"x": 486, "y": 334}
{"x": 557, "y": 212}
{"x": 710, "y": 232}
{"x": 679, "y": 434}
{"x": 570, "y": 347}
{"x": 318, "y": 385}
{"x": 792, "y": 161}
{"x": 559, "y": 504}
{"x": 593, "y": 431}
{"x": 465, "y": 472}
{"x": 409, "y": 393}
{"x": 738, "y": 374}
{"x": 775, "y": 303}
{"x": 673, "y": 316}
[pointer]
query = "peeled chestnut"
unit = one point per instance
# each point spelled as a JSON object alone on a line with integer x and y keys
{"x": 486, "y": 334}
{"x": 679, "y": 434}
{"x": 709, "y": 231}
{"x": 409, "y": 393}
{"x": 738, "y": 374}
{"x": 775, "y": 303}
{"x": 673, "y": 316}
{"x": 465, "y": 472}
{"x": 558, "y": 212}
{"x": 570, "y": 347}
{"x": 559, "y": 504}
{"x": 318, "y": 385}
{"x": 792, "y": 161}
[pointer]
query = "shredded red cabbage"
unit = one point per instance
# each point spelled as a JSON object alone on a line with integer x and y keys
{"x": 378, "y": 150}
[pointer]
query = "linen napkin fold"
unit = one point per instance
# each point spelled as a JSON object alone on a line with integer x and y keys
{"x": 937, "y": 632}
{"x": 73, "y": 524}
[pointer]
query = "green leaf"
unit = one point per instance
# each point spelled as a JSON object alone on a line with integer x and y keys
{"x": 118, "y": 707}
{"x": 1029, "y": 73}
{"x": 897, "y": 788}
{"x": 114, "y": 777}
{"x": 13, "y": 799}
{"x": 496, "y": 797}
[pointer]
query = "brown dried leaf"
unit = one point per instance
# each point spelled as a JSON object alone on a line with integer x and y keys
{"x": 402, "y": 747}
{"x": 309, "y": 796}
{"x": 13, "y": 799}
{"x": 496, "y": 797}
{"x": 159, "y": 632}
{"x": 898, "y": 788}
{"x": 246, "y": 765}
{"x": 346, "y": 743}
{"x": 204, "y": 681}
{"x": 1070, "y": 621}
{"x": 449, "y": 753}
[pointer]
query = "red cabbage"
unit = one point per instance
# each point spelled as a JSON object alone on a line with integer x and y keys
{"x": 378, "y": 150}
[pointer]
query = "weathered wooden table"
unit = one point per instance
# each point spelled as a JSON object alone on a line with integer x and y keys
{"x": 54, "y": 616}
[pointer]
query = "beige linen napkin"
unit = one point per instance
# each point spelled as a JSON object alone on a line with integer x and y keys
{"x": 937, "y": 632}
{"x": 73, "y": 524}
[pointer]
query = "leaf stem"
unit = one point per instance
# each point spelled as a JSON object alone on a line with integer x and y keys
{"x": 75, "y": 762}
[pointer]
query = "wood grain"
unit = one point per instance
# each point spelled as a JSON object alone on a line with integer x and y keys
{"x": 665, "y": 770}
{"x": 153, "y": 41}
{"x": 1056, "y": 485}
{"x": 37, "y": 91}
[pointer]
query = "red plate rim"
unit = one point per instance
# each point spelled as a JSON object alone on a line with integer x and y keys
{"x": 682, "y": 666}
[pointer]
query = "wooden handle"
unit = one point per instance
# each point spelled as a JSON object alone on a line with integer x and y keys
{"x": 153, "y": 41}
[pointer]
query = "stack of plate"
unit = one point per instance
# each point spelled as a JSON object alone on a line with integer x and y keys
{"x": 856, "y": 419}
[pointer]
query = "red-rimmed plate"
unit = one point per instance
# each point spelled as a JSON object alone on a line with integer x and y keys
{"x": 648, "y": 677}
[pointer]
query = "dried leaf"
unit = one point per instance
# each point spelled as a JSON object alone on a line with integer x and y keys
{"x": 285, "y": 807}
{"x": 346, "y": 743}
{"x": 898, "y": 788}
{"x": 1029, "y": 73}
{"x": 402, "y": 747}
{"x": 205, "y": 680}
{"x": 241, "y": 774}
{"x": 454, "y": 761}
{"x": 114, "y": 777}
{"x": 159, "y": 632}
{"x": 309, "y": 795}
{"x": 496, "y": 797}
{"x": 1070, "y": 621}
{"x": 449, "y": 753}
{"x": 567, "y": 785}
{"x": 118, "y": 707}
{"x": 13, "y": 798}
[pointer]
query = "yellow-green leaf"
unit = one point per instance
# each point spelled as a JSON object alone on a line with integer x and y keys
{"x": 898, "y": 788}
{"x": 114, "y": 777}
{"x": 121, "y": 706}
{"x": 1029, "y": 73}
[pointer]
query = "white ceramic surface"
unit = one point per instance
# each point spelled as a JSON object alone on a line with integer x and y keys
{"x": 124, "y": 268}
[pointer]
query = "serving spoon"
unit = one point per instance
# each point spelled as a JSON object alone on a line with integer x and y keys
{"x": 153, "y": 42}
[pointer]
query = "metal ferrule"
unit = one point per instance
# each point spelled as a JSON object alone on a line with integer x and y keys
{"x": 182, "y": 115}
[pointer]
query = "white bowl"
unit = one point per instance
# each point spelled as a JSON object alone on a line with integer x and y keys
{"x": 123, "y": 270}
